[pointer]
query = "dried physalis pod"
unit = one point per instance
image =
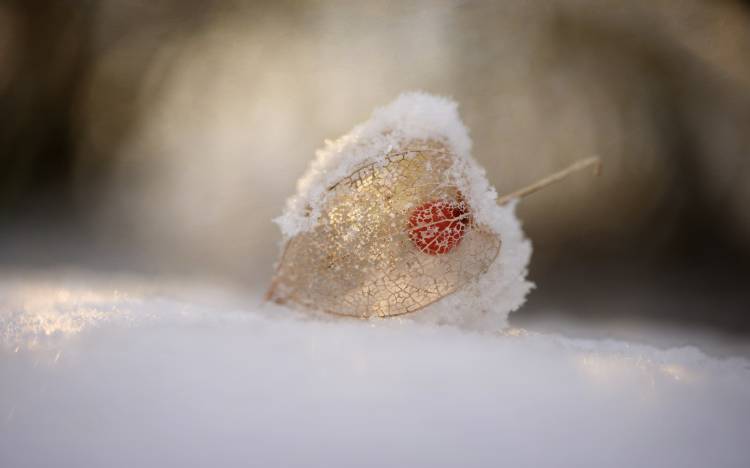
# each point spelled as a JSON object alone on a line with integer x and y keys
{"x": 396, "y": 216}
{"x": 392, "y": 237}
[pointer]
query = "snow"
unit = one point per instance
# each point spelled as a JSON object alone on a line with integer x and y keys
{"x": 418, "y": 116}
{"x": 128, "y": 371}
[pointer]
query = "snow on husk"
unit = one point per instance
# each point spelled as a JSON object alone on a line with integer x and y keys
{"x": 418, "y": 116}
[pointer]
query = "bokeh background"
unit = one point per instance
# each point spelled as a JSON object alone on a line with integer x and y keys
{"x": 161, "y": 138}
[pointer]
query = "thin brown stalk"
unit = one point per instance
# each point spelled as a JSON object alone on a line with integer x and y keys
{"x": 594, "y": 162}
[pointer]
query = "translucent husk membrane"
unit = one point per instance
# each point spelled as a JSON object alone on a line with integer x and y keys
{"x": 371, "y": 254}
{"x": 396, "y": 216}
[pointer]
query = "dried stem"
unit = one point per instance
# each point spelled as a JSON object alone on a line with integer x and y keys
{"x": 551, "y": 179}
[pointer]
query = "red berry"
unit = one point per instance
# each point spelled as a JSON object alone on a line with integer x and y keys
{"x": 437, "y": 227}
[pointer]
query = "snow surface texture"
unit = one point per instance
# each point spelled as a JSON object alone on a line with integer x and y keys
{"x": 128, "y": 372}
{"x": 417, "y": 116}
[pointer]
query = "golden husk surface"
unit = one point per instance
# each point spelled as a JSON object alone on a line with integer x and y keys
{"x": 360, "y": 259}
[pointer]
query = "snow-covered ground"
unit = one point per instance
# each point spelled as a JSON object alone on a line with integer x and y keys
{"x": 122, "y": 371}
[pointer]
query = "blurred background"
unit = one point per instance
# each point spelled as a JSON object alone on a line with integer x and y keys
{"x": 161, "y": 137}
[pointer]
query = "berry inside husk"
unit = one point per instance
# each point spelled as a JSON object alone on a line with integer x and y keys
{"x": 437, "y": 227}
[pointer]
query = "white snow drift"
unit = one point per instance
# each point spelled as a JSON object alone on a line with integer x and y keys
{"x": 127, "y": 372}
